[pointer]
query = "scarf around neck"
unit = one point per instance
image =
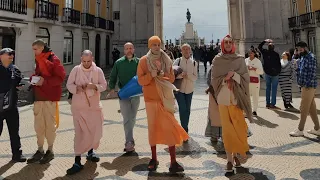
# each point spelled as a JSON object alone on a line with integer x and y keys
{"x": 164, "y": 87}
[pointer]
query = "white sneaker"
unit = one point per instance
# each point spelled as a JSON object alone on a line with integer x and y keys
{"x": 297, "y": 133}
{"x": 314, "y": 132}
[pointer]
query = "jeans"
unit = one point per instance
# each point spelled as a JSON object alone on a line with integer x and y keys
{"x": 271, "y": 89}
{"x": 184, "y": 103}
{"x": 129, "y": 109}
{"x": 12, "y": 118}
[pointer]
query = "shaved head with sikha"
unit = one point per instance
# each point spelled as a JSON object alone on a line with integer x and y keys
{"x": 86, "y": 58}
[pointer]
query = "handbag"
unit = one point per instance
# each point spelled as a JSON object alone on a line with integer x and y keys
{"x": 254, "y": 79}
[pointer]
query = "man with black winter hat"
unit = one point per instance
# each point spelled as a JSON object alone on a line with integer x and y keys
{"x": 272, "y": 69}
{"x": 10, "y": 77}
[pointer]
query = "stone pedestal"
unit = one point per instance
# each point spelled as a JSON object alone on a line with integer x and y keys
{"x": 189, "y": 34}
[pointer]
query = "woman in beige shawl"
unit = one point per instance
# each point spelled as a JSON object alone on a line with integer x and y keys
{"x": 230, "y": 81}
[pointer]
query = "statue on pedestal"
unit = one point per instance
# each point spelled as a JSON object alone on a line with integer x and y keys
{"x": 188, "y": 15}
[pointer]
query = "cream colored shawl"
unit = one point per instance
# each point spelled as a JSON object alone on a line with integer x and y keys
{"x": 221, "y": 65}
{"x": 164, "y": 87}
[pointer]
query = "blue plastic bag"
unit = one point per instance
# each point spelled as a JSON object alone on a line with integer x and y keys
{"x": 132, "y": 88}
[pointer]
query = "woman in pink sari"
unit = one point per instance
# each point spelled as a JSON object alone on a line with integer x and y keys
{"x": 86, "y": 81}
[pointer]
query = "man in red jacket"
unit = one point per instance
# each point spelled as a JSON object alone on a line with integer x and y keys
{"x": 47, "y": 80}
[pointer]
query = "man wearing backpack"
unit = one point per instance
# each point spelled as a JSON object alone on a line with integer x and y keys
{"x": 188, "y": 76}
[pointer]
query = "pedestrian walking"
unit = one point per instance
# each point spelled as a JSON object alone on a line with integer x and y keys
{"x": 123, "y": 71}
{"x": 10, "y": 77}
{"x": 230, "y": 81}
{"x": 47, "y": 80}
{"x": 255, "y": 70}
{"x": 86, "y": 81}
{"x": 188, "y": 76}
{"x": 213, "y": 129}
{"x": 155, "y": 75}
{"x": 307, "y": 79}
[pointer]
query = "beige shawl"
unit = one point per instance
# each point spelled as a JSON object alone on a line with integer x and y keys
{"x": 164, "y": 87}
{"x": 221, "y": 65}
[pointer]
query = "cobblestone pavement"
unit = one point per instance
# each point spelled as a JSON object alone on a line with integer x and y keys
{"x": 275, "y": 155}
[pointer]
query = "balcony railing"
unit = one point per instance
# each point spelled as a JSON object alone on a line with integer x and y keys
{"x": 317, "y": 13}
{"x": 307, "y": 19}
{"x": 100, "y": 23}
{"x": 87, "y": 20}
{"x": 47, "y": 10}
{"x": 71, "y": 16}
{"x": 294, "y": 22}
{"x": 15, "y": 6}
{"x": 110, "y": 25}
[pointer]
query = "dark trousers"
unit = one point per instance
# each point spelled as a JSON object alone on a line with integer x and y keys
{"x": 12, "y": 120}
{"x": 184, "y": 103}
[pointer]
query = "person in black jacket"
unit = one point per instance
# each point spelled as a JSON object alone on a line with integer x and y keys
{"x": 10, "y": 77}
{"x": 272, "y": 69}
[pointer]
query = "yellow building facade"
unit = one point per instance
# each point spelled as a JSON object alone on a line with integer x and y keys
{"x": 304, "y": 23}
{"x": 68, "y": 27}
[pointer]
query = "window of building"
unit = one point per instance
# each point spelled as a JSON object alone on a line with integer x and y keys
{"x": 116, "y": 15}
{"x": 308, "y": 6}
{"x": 312, "y": 41}
{"x": 296, "y": 37}
{"x": 108, "y": 9}
{"x": 85, "y": 41}
{"x": 86, "y": 6}
{"x": 43, "y": 34}
{"x": 294, "y": 8}
{"x": 98, "y": 8}
{"x": 68, "y": 48}
{"x": 69, "y": 3}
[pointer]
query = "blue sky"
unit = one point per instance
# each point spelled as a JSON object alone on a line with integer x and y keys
{"x": 208, "y": 16}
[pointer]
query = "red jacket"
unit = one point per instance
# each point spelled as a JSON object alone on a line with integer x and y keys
{"x": 51, "y": 88}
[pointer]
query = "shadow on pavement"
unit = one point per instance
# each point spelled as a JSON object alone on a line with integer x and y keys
{"x": 127, "y": 162}
{"x": 190, "y": 148}
{"x": 262, "y": 122}
{"x": 88, "y": 172}
{"x": 30, "y": 171}
{"x": 310, "y": 174}
{"x": 6, "y": 167}
{"x": 316, "y": 139}
{"x": 244, "y": 173}
{"x": 286, "y": 115}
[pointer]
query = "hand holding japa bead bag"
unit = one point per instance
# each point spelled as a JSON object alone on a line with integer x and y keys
{"x": 6, "y": 99}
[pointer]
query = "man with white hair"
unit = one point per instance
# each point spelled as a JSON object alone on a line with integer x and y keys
{"x": 86, "y": 81}
{"x": 124, "y": 70}
{"x": 188, "y": 76}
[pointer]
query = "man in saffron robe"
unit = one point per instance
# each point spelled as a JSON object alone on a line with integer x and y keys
{"x": 230, "y": 81}
{"x": 86, "y": 81}
{"x": 48, "y": 78}
{"x": 156, "y": 75}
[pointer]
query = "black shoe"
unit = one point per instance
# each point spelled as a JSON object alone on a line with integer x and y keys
{"x": 19, "y": 158}
{"x": 93, "y": 158}
{"x": 36, "y": 157}
{"x": 175, "y": 168}
{"x": 290, "y": 106}
{"x": 74, "y": 169}
{"x": 254, "y": 113}
{"x": 47, "y": 157}
{"x": 268, "y": 106}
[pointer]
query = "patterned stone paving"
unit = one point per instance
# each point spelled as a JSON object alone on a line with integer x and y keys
{"x": 273, "y": 154}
